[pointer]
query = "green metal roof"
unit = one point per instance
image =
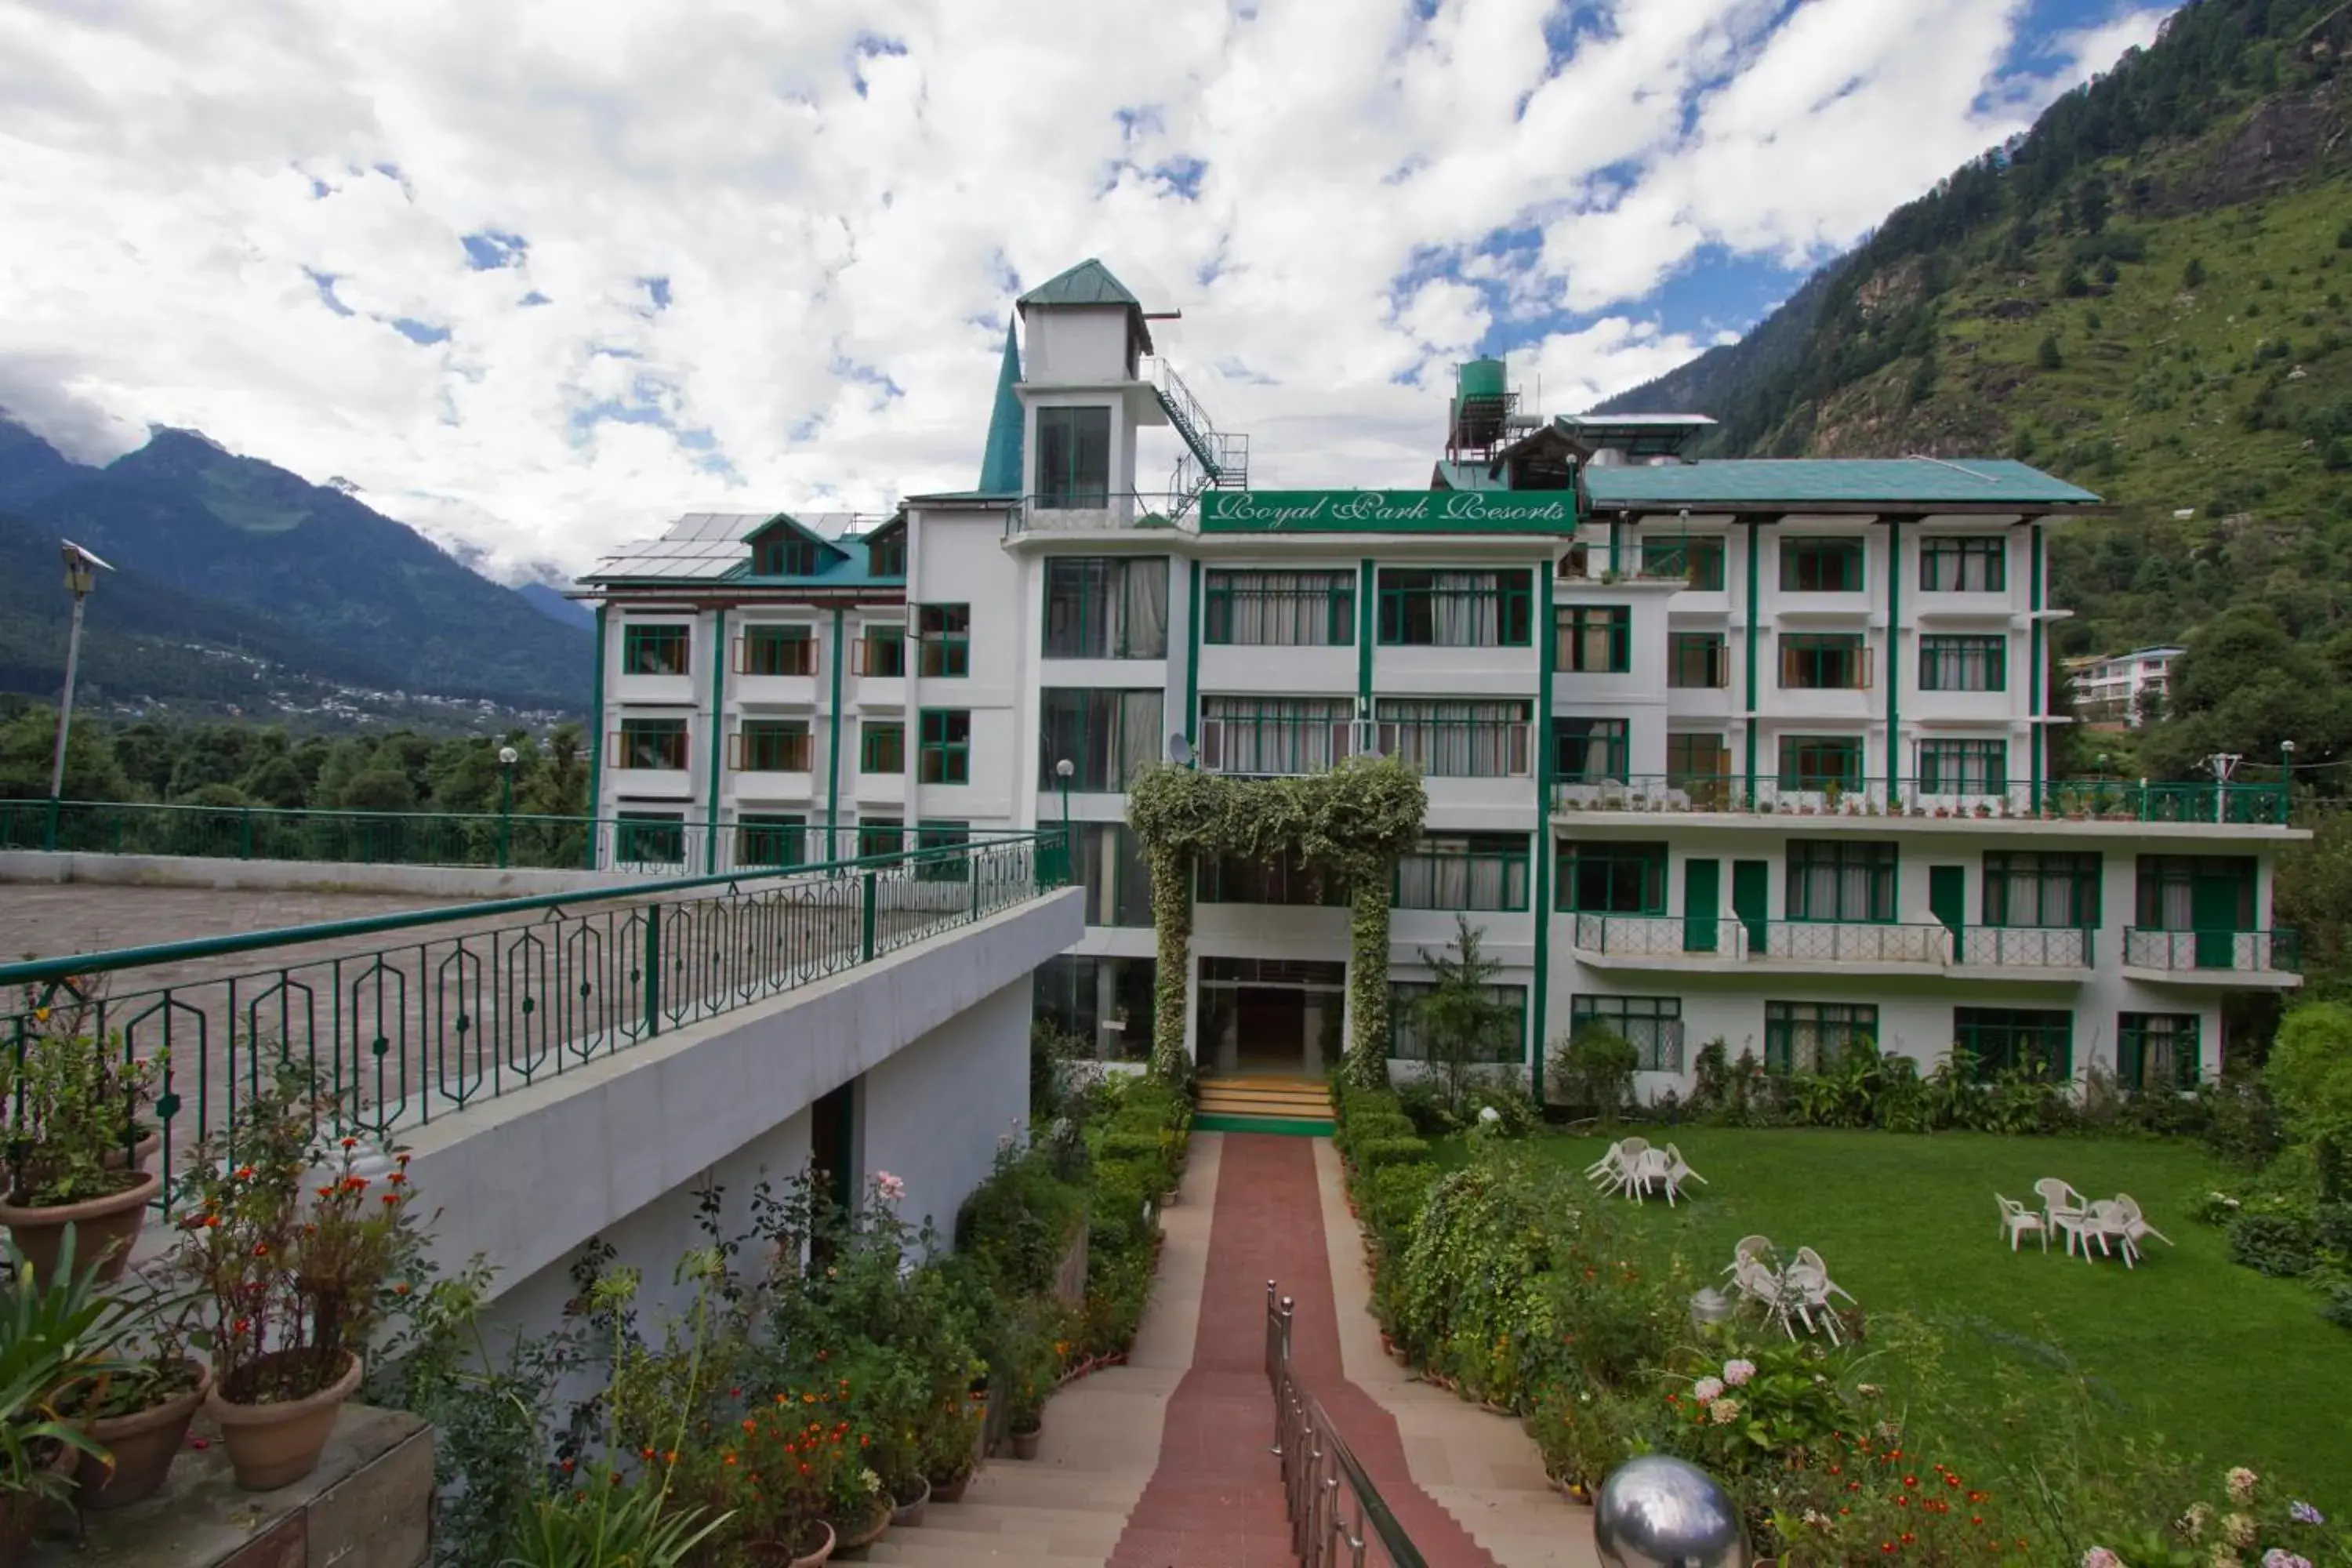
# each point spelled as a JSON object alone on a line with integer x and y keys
{"x": 1000, "y": 460}
{"x": 1893, "y": 481}
{"x": 1087, "y": 283}
{"x": 1466, "y": 476}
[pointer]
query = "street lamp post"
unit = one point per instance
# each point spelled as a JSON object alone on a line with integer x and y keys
{"x": 508, "y": 757}
{"x": 81, "y": 575}
{"x": 1062, "y": 772}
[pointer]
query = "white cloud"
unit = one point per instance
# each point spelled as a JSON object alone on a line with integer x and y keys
{"x": 834, "y": 193}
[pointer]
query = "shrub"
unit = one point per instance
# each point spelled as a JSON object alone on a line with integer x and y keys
{"x": 1374, "y": 1153}
{"x": 1514, "y": 1110}
{"x": 2332, "y": 1229}
{"x": 2339, "y": 1309}
{"x": 2275, "y": 1244}
{"x": 1153, "y": 1154}
{"x": 1390, "y": 1199}
{"x": 1115, "y": 1221}
{"x": 1596, "y": 1070}
{"x": 1585, "y": 1432}
{"x": 1371, "y": 1127}
{"x": 1423, "y": 1104}
{"x": 1018, "y": 1223}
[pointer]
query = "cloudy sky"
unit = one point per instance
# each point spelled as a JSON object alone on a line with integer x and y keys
{"x": 537, "y": 273}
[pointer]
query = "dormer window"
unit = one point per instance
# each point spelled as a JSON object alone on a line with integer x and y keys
{"x": 1074, "y": 458}
{"x": 886, "y": 554}
{"x": 782, "y": 554}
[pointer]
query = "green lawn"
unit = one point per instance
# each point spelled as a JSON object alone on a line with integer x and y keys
{"x": 2217, "y": 1359}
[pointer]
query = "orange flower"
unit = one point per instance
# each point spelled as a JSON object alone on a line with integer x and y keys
{"x": 350, "y": 1143}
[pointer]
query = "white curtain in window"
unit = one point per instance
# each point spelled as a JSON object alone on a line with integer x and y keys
{"x": 1141, "y": 606}
{"x": 2179, "y": 908}
{"x": 1466, "y": 610}
{"x": 1457, "y": 740}
{"x": 1276, "y": 736}
{"x": 1281, "y": 609}
{"x": 1138, "y": 731}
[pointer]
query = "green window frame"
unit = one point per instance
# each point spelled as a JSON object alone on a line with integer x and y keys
{"x": 1821, "y": 565}
{"x": 1653, "y": 1025}
{"x": 656, "y": 649}
{"x": 1068, "y": 992}
{"x": 1425, "y": 609}
{"x": 784, "y": 555}
{"x": 1699, "y": 761}
{"x": 1450, "y": 738}
{"x": 773, "y": 746}
{"x": 931, "y": 838}
{"x": 1820, "y": 761}
{"x": 1231, "y": 880}
{"x": 1074, "y": 458}
{"x": 649, "y": 838}
{"x": 1841, "y": 882}
{"x": 1698, "y": 660}
{"x": 2037, "y": 1040}
{"x": 1277, "y": 609}
{"x": 2159, "y": 1052}
{"x": 1465, "y": 871}
{"x": 656, "y": 745}
{"x": 1100, "y": 606}
{"x": 1405, "y": 1041}
{"x": 1810, "y": 1036}
{"x": 1592, "y": 639}
{"x": 1698, "y": 558}
{"x": 885, "y": 553}
{"x": 1824, "y": 661}
{"x": 2046, "y": 888}
{"x": 1963, "y": 767}
{"x": 1111, "y": 867}
{"x": 882, "y": 746}
{"x": 1108, "y": 737}
{"x": 944, "y": 632}
{"x": 880, "y": 836}
{"x": 1953, "y": 564}
{"x": 881, "y": 652}
{"x": 1275, "y": 737}
{"x": 1590, "y": 750}
{"x": 1970, "y": 663}
{"x": 776, "y": 650}
{"x": 2167, "y": 893}
{"x": 769, "y": 839}
{"x": 945, "y": 753}
{"x": 1607, "y": 876}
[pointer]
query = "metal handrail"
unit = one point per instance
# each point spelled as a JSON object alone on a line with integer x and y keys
{"x": 1319, "y": 1467}
{"x": 2258, "y": 804}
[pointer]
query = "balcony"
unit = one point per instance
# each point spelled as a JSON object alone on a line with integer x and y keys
{"x": 1880, "y": 799}
{"x": 1722, "y": 945}
{"x": 2228, "y": 958}
{"x": 2010, "y": 948}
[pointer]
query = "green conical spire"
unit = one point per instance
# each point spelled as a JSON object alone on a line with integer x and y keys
{"x": 1000, "y": 462}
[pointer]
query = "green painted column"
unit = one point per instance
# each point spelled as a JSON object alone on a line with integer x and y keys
{"x": 1193, "y": 659}
{"x": 1755, "y": 595}
{"x": 1616, "y": 536}
{"x": 1367, "y": 610}
{"x": 1538, "y": 995}
{"x": 1894, "y": 656}
{"x": 595, "y": 738}
{"x": 833, "y": 748}
{"x": 718, "y": 733}
{"x": 2040, "y": 672}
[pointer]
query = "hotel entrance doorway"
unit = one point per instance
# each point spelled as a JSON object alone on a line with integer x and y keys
{"x": 1273, "y": 1017}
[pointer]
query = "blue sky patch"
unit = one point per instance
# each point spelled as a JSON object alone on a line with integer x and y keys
{"x": 325, "y": 283}
{"x": 417, "y": 331}
{"x": 658, "y": 289}
{"x": 490, "y": 250}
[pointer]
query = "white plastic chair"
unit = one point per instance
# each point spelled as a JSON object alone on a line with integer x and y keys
{"x": 2064, "y": 1211}
{"x": 1750, "y": 1250}
{"x": 1760, "y": 1285}
{"x": 1678, "y": 1171}
{"x": 1650, "y": 1169}
{"x": 2136, "y": 1223}
{"x": 1610, "y": 1166}
{"x": 2016, "y": 1219}
{"x": 2103, "y": 1221}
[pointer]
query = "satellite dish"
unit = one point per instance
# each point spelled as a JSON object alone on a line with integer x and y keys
{"x": 75, "y": 552}
{"x": 1179, "y": 749}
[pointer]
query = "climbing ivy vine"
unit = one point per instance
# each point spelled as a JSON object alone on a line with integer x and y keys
{"x": 1349, "y": 825}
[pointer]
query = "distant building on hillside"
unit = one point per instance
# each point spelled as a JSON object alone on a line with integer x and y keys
{"x": 2123, "y": 691}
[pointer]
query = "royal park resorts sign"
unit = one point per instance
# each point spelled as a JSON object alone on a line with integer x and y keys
{"x": 1387, "y": 511}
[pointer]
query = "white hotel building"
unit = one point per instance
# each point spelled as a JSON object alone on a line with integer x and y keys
{"x": 1739, "y": 749}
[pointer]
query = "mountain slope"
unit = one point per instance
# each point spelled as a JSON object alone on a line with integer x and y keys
{"x": 2146, "y": 295}
{"x": 30, "y": 467}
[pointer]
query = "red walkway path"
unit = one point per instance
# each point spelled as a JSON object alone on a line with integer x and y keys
{"x": 1216, "y": 1501}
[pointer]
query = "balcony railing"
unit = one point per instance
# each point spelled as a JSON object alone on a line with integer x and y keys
{"x": 1075, "y": 511}
{"x": 2275, "y": 951}
{"x": 1840, "y": 941}
{"x": 1670, "y": 937}
{"x": 2233, "y": 805}
{"x": 2026, "y": 947}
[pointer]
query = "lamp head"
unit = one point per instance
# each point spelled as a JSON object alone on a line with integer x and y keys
{"x": 508, "y": 756}
{"x": 1064, "y": 769}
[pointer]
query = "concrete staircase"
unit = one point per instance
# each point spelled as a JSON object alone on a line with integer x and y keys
{"x": 1254, "y": 1104}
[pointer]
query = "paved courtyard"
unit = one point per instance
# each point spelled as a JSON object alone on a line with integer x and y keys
{"x": 39, "y": 920}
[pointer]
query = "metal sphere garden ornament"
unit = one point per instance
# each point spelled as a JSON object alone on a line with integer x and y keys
{"x": 1657, "y": 1512}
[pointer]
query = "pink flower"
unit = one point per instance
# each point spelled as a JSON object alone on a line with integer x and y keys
{"x": 2100, "y": 1557}
{"x": 1707, "y": 1389}
{"x": 1725, "y": 1412}
{"x": 1737, "y": 1373}
{"x": 2240, "y": 1482}
{"x": 2278, "y": 1557}
{"x": 891, "y": 1188}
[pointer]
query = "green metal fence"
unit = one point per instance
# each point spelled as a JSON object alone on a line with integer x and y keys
{"x": 2113, "y": 800}
{"x": 406, "y": 1018}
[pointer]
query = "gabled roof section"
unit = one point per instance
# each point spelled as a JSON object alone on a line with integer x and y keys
{"x": 1000, "y": 459}
{"x": 1793, "y": 482}
{"x": 1087, "y": 283}
{"x": 783, "y": 523}
{"x": 713, "y": 547}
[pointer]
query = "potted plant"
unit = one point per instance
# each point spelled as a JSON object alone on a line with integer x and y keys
{"x": 59, "y": 1334}
{"x": 291, "y": 1250}
{"x": 74, "y": 1103}
{"x": 1031, "y": 1361}
{"x": 859, "y": 1511}
{"x": 139, "y": 1416}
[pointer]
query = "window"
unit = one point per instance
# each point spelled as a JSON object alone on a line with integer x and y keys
{"x": 1700, "y": 765}
{"x": 945, "y": 633}
{"x": 1821, "y": 565}
{"x": 1698, "y": 558}
{"x": 1110, "y": 867}
{"x": 946, "y": 753}
{"x": 878, "y": 836}
{"x": 1830, "y": 880}
{"x": 1275, "y": 735}
{"x": 1457, "y": 740}
{"x": 1697, "y": 659}
{"x": 1464, "y": 871}
{"x": 654, "y": 743}
{"x": 770, "y": 840}
{"x": 1073, "y": 458}
{"x": 654, "y": 651}
{"x": 649, "y": 838}
{"x": 776, "y": 650}
{"x": 1820, "y": 761}
{"x": 1963, "y": 767}
{"x": 1106, "y": 737}
{"x": 1105, "y": 1002}
{"x": 771, "y": 746}
{"x": 882, "y": 747}
{"x": 1807, "y": 1036}
{"x": 1602, "y": 878}
{"x": 2196, "y": 892}
{"x": 1409, "y": 1042}
{"x": 1823, "y": 662}
{"x": 939, "y": 848}
{"x": 886, "y": 554}
{"x": 1279, "y": 609}
{"x": 786, "y": 554}
{"x": 1457, "y": 609}
{"x": 2156, "y": 1052}
{"x": 882, "y": 652}
{"x": 1232, "y": 881}
{"x": 1588, "y": 750}
{"x": 2002, "y": 1039}
{"x": 2024, "y": 888}
{"x": 1592, "y": 639}
{"x": 1652, "y": 1024}
{"x": 1105, "y": 608}
{"x": 1964, "y": 664}
{"x": 1952, "y": 566}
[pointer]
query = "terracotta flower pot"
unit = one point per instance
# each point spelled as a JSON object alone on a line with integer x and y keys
{"x": 272, "y": 1445}
{"x": 1024, "y": 1444}
{"x": 143, "y": 1444}
{"x": 151, "y": 1144}
{"x": 107, "y": 1226}
{"x": 21, "y": 1513}
{"x": 788, "y": 1555}
{"x": 910, "y": 1515}
{"x": 949, "y": 1491}
{"x": 858, "y": 1537}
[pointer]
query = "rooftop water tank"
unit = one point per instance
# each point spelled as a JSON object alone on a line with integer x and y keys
{"x": 1482, "y": 378}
